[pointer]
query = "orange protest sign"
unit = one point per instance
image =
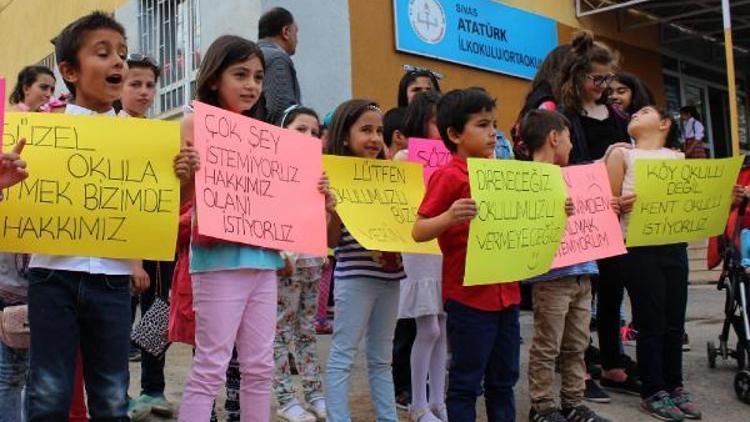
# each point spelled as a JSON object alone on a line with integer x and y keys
{"x": 258, "y": 183}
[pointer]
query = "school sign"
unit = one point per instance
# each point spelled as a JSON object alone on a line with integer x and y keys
{"x": 477, "y": 33}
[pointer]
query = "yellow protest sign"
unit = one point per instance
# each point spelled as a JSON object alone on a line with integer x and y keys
{"x": 98, "y": 186}
{"x": 520, "y": 220}
{"x": 681, "y": 200}
{"x": 378, "y": 201}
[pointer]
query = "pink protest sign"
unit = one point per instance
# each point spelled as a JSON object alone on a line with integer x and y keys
{"x": 431, "y": 153}
{"x": 258, "y": 183}
{"x": 593, "y": 232}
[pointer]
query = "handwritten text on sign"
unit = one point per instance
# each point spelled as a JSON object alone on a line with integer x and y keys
{"x": 593, "y": 232}
{"x": 258, "y": 183}
{"x": 378, "y": 202}
{"x": 98, "y": 186}
{"x": 681, "y": 200}
{"x": 520, "y": 220}
{"x": 431, "y": 153}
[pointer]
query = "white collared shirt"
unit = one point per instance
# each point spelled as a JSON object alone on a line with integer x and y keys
{"x": 79, "y": 263}
{"x": 693, "y": 129}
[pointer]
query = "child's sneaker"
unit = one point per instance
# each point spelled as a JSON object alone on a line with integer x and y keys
{"x": 685, "y": 343}
{"x": 422, "y": 415}
{"x": 158, "y": 404}
{"x": 294, "y": 412}
{"x": 137, "y": 410}
{"x": 318, "y": 408}
{"x": 629, "y": 386}
{"x": 581, "y": 413}
{"x": 440, "y": 411}
{"x": 594, "y": 393}
{"x": 548, "y": 415}
{"x": 681, "y": 399}
{"x": 661, "y": 406}
{"x": 403, "y": 400}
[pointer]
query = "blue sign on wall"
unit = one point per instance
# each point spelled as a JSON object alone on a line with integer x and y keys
{"x": 476, "y": 33}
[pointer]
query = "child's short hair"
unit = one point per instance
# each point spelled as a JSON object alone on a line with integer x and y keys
{"x": 145, "y": 62}
{"x": 537, "y": 124}
{"x": 70, "y": 39}
{"x": 454, "y": 108}
{"x": 393, "y": 121}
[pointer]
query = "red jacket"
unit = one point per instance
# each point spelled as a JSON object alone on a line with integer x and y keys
{"x": 715, "y": 249}
{"x": 181, "y": 315}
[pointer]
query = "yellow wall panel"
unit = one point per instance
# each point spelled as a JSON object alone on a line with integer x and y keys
{"x": 27, "y": 26}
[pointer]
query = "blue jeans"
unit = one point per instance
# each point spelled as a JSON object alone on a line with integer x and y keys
{"x": 14, "y": 363}
{"x": 68, "y": 310}
{"x": 364, "y": 307}
{"x": 486, "y": 347}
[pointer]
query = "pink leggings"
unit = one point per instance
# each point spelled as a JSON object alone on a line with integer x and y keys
{"x": 234, "y": 306}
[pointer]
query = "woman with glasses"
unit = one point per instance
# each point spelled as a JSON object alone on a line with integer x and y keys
{"x": 581, "y": 89}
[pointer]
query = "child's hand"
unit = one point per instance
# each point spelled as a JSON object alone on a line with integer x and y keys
{"x": 625, "y": 203}
{"x": 614, "y": 203}
{"x": 12, "y": 168}
{"x": 464, "y": 209}
{"x": 570, "y": 209}
{"x": 324, "y": 187}
{"x": 186, "y": 163}
{"x": 738, "y": 192}
{"x": 288, "y": 269}
{"x": 139, "y": 280}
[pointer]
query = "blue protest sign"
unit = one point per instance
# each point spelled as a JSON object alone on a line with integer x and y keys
{"x": 477, "y": 33}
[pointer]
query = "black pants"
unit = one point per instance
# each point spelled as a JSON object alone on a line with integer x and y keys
{"x": 152, "y": 367}
{"x": 403, "y": 340}
{"x": 610, "y": 291}
{"x": 657, "y": 279}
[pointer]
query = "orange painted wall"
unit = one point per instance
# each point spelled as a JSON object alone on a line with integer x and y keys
{"x": 377, "y": 66}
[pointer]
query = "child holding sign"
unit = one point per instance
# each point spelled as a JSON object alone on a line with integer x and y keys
{"x": 656, "y": 276}
{"x": 298, "y": 298}
{"x": 82, "y": 301}
{"x": 367, "y": 282}
{"x": 562, "y": 299}
{"x": 234, "y": 286}
{"x": 482, "y": 320}
{"x": 421, "y": 297}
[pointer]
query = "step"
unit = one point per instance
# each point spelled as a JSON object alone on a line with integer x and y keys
{"x": 704, "y": 276}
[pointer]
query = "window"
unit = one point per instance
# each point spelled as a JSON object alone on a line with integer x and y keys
{"x": 170, "y": 32}
{"x": 49, "y": 62}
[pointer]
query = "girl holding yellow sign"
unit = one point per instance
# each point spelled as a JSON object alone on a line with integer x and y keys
{"x": 367, "y": 282}
{"x": 656, "y": 276}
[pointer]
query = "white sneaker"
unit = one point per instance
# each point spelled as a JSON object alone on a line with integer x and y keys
{"x": 318, "y": 408}
{"x": 294, "y": 412}
{"x": 422, "y": 415}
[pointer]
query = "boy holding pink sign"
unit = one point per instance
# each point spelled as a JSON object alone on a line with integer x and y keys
{"x": 562, "y": 299}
